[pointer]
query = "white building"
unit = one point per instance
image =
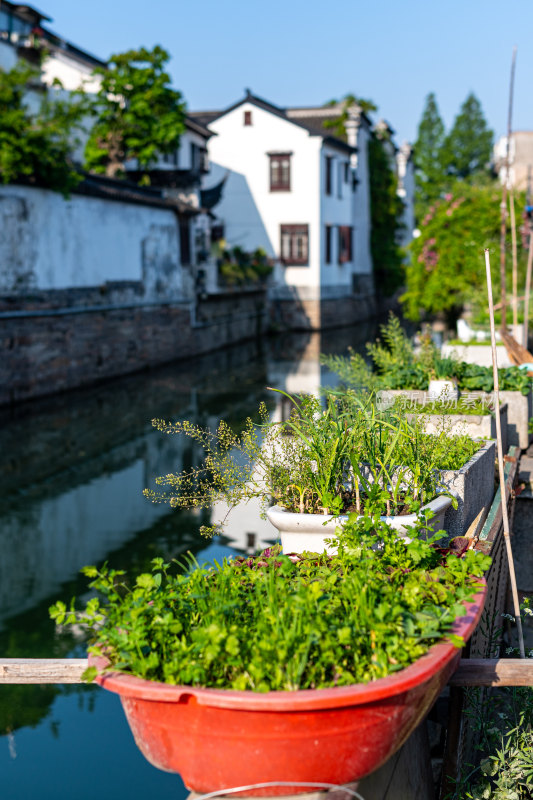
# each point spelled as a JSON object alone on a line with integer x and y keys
{"x": 302, "y": 195}
{"x": 406, "y": 189}
{"x": 23, "y": 35}
{"x": 520, "y": 160}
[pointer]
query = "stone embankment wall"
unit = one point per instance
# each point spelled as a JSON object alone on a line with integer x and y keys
{"x": 92, "y": 288}
{"x": 50, "y": 349}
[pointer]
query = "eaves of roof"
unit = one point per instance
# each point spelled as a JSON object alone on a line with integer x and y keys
{"x": 64, "y": 46}
{"x": 26, "y": 11}
{"x": 194, "y": 125}
{"x": 127, "y": 192}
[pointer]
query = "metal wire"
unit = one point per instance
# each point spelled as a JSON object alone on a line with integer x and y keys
{"x": 268, "y": 784}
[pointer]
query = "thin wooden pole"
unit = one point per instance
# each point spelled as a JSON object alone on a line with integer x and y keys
{"x": 503, "y": 488}
{"x": 528, "y": 287}
{"x": 515, "y": 260}
{"x": 503, "y": 207}
{"x": 529, "y": 259}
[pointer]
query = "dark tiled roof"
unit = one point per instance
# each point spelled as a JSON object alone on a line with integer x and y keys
{"x": 128, "y": 192}
{"x": 314, "y": 123}
{"x": 193, "y": 124}
{"x": 204, "y": 117}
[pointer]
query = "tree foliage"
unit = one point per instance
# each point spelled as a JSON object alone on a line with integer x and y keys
{"x": 441, "y": 158}
{"x": 139, "y": 115}
{"x": 467, "y": 149}
{"x": 338, "y": 125}
{"x": 447, "y": 267}
{"x": 35, "y": 145}
{"x": 386, "y": 210}
{"x": 427, "y": 155}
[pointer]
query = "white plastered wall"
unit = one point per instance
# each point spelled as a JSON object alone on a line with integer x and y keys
{"x": 251, "y": 212}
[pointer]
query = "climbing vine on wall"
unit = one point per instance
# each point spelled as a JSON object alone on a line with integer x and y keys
{"x": 386, "y": 209}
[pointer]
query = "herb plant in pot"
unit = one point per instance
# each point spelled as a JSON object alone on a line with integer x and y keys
{"x": 278, "y": 669}
{"x": 321, "y": 464}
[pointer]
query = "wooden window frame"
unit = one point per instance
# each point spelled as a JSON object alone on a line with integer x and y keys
{"x": 280, "y": 182}
{"x": 328, "y": 178}
{"x": 345, "y": 244}
{"x": 328, "y": 244}
{"x": 346, "y": 172}
{"x": 293, "y": 258}
{"x": 247, "y": 120}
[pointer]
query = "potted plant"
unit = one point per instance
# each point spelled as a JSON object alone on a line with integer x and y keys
{"x": 397, "y": 366}
{"x": 320, "y": 465}
{"x": 312, "y": 669}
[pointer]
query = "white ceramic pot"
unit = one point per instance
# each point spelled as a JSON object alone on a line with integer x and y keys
{"x": 299, "y": 532}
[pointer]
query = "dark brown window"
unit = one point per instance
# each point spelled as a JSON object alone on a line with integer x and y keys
{"x": 346, "y": 172}
{"x": 185, "y": 240}
{"x": 217, "y": 233}
{"x": 294, "y": 244}
{"x": 280, "y": 172}
{"x": 328, "y": 243}
{"x": 329, "y": 174}
{"x": 247, "y": 117}
{"x": 345, "y": 243}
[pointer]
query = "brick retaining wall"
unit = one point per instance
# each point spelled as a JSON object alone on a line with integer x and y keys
{"x": 46, "y": 349}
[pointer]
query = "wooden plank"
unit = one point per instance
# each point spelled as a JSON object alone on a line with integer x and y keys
{"x": 493, "y": 672}
{"x": 494, "y": 518}
{"x": 451, "y": 758}
{"x": 42, "y": 670}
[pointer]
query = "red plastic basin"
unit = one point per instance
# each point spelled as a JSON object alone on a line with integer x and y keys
{"x": 220, "y": 739}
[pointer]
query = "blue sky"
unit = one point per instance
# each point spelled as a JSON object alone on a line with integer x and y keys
{"x": 297, "y": 53}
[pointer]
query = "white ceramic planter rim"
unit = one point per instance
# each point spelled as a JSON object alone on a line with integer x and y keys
{"x": 327, "y": 523}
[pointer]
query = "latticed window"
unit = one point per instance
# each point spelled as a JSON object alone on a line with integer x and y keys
{"x": 280, "y": 172}
{"x": 295, "y": 244}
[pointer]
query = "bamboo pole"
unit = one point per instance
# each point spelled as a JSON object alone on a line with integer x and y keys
{"x": 515, "y": 259}
{"x": 503, "y": 206}
{"x": 528, "y": 287}
{"x": 529, "y": 259}
{"x": 503, "y": 488}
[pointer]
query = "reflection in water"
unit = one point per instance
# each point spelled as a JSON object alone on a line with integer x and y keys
{"x": 73, "y": 468}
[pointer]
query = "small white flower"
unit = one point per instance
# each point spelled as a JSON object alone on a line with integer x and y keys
{"x": 528, "y": 611}
{"x": 509, "y": 617}
{"x": 509, "y": 651}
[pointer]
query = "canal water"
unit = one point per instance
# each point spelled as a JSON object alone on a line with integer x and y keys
{"x": 72, "y": 471}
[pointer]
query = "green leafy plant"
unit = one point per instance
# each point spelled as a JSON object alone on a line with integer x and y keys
{"x": 396, "y": 365}
{"x": 502, "y": 718}
{"x": 35, "y": 145}
{"x": 346, "y": 456}
{"x": 446, "y": 268}
{"x": 280, "y": 623}
{"x": 386, "y": 213}
{"x": 139, "y": 115}
{"x": 238, "y": 267}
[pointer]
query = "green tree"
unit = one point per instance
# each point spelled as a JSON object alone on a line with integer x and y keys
{"x": 35, "y": 146}
{"x": 338, "y": 125}
{"x": 447, "y": 267}
{"x": 430, "y": 174}
{"x": 139, "y": 114}
{"x": 467, "y": 148}
{"x": 386, "y": 209}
